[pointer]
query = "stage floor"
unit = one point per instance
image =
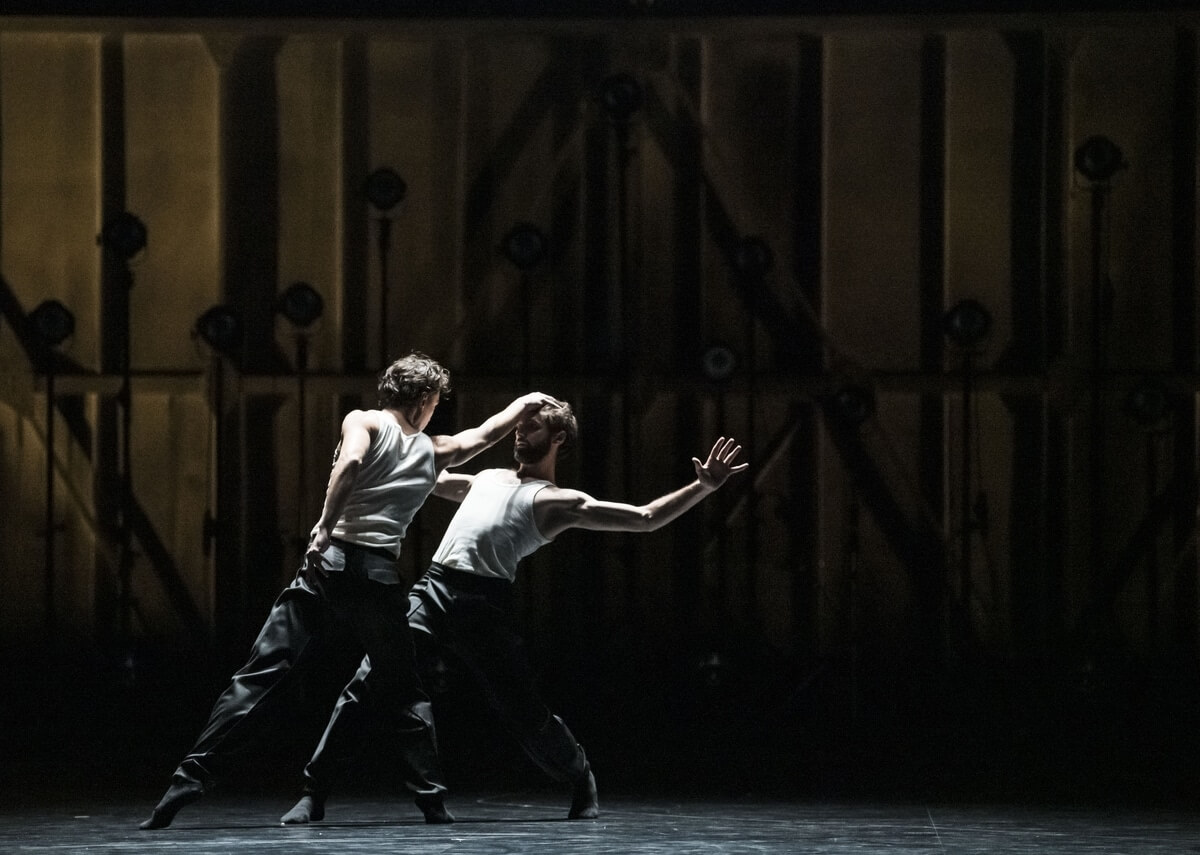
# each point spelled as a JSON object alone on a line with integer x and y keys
{"x": 533, "y": 823}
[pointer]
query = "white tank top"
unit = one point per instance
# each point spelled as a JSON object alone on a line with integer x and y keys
{"x": 493, "y": 528}
{"x": 396, "y": 477}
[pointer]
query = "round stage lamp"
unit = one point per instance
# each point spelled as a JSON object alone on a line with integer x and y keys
{"x": 852, "y": 404}
{"x": 300, "y": 304}
{"x": 621, "y": 96}
{"x": 51, "y": 323}
{"x": 384, "y": 189}
{"x": 719, "y": 363}
{"x": 1099, "y": 159}
{"x": 524, "y": 245}
{"x": 1147, "y": 404}
{"x": 220, "y": 328}
{"x": 967, "y": 323}
{"x": 124, "y": 235}
{"x": 752, "y": 258}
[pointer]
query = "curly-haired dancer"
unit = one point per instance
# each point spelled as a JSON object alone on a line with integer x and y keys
{"x": 384, "y": 468}
{"x": 463, "y": 600}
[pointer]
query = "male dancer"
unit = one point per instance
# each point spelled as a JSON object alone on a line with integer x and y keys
{"x": 463, "y": 600}
{"x": 384, "y": 468}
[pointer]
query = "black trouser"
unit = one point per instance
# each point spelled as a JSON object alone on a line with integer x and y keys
{"x": 291, "y": 639}
{"x": 470, "y": 615}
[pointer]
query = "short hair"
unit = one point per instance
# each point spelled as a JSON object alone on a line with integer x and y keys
{"x": 408, "y": 378}
{"x": 559, "y": 416}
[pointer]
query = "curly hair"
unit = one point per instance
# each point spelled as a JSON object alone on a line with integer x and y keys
{"x": 560, "y": 417}
{"x": 408, "y": 378}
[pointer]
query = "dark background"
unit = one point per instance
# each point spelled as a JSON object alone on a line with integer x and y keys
{"x": 678, "y": 684}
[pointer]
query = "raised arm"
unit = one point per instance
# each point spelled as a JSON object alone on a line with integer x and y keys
{"x": 357, "y": 429}
{"x": 557, "y": 510}
{"x": 453, "y": 485}
{"x": 461, "y": 447}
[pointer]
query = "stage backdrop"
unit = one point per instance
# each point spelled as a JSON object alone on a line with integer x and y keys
{"x": 689, "y": 228}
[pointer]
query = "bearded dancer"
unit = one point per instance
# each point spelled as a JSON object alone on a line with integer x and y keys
{"x": 464, "y": 600}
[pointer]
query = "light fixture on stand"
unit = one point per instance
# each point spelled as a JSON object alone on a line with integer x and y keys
{"x": 851, "y": 405}
{"x": 620, "y": 96}
{"x": 1098, "y": 159}
{"x": 301, "y": 305}
{"x": 525, "y": 247}
{"x": 751, "y": 259}
{"x": 719, "y": 363}
{"x": 123, "y": 237}
{"x": 49, "y": 325}
{"x": 220, "y": 329}
{"x": 384, "y": 189}
{"x": 967, "y": 324}
{"x": 1149, "y": 405}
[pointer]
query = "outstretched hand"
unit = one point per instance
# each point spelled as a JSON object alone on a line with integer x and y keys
{"x": 713, "y": 472}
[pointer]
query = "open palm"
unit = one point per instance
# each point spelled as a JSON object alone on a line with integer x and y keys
{"x": 713, "y": 472}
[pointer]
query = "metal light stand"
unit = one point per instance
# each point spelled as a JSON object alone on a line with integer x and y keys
{"x": 752, "y": 260}
{"x": 853, "y": 547}
{"x": 50, "y": 570}
{"x": 1100, "y": 297}
{"x": 621, "y": 96}
{"x": 852, "y": 406}
{"x": 220, "y": 328}
{"x": 966, "y": 518}
{"x": 719, "y": 365}
{"x": 124, "y": 237}
{"x": 125, "y": 398}
{"x": 1098, "y": 159}
{"x": 967, "y": 323}
{"x": 384, "y": 190}
{"x": 301, "y": 306}
{"x": 1149, "y": 406}
{"x": 50, "y": 324}
{"x": 301, "y": 419}
{"x": 212, "y": 524}
{"x": 383, "y": 243}
{"x": 525, "y": 246}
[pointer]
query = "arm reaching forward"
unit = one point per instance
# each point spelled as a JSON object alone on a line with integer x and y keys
{"x": 462, "y": 446}
{"x": 453, "y": 485}
{"x": 557, "y": 510}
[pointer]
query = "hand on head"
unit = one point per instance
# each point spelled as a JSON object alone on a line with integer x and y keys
{"x": 713, "y": 472}
{"x": 535, "y": 401}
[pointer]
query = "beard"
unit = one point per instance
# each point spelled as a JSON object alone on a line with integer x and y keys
{"x": 533, "y": 452}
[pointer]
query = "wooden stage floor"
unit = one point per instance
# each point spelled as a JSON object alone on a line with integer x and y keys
{"x": 533, "y": 823}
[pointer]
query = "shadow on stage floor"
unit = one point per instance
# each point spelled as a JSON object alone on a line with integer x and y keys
{"x": 1000, "y": 765}
{"x": 532, "y": 821}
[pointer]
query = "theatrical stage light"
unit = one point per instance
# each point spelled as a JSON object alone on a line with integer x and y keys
{"x": 300, "y": 304}
{"x": 124, "y": 235}
{"x": 621, "y": 96}
{"x": 524, "y": 245}
{"x": 384, "y": 189}
{"x": 220, "y": 328}
{"x": 1147, "y": 404}
{"x": 719, "y": 363}
{"x": 853, "y": 404}
{"x": 51, "y": 323}
{"x": 1098, "y": 159}
{"x": 967, "y": 323}
{"x": 752, "y": 258}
